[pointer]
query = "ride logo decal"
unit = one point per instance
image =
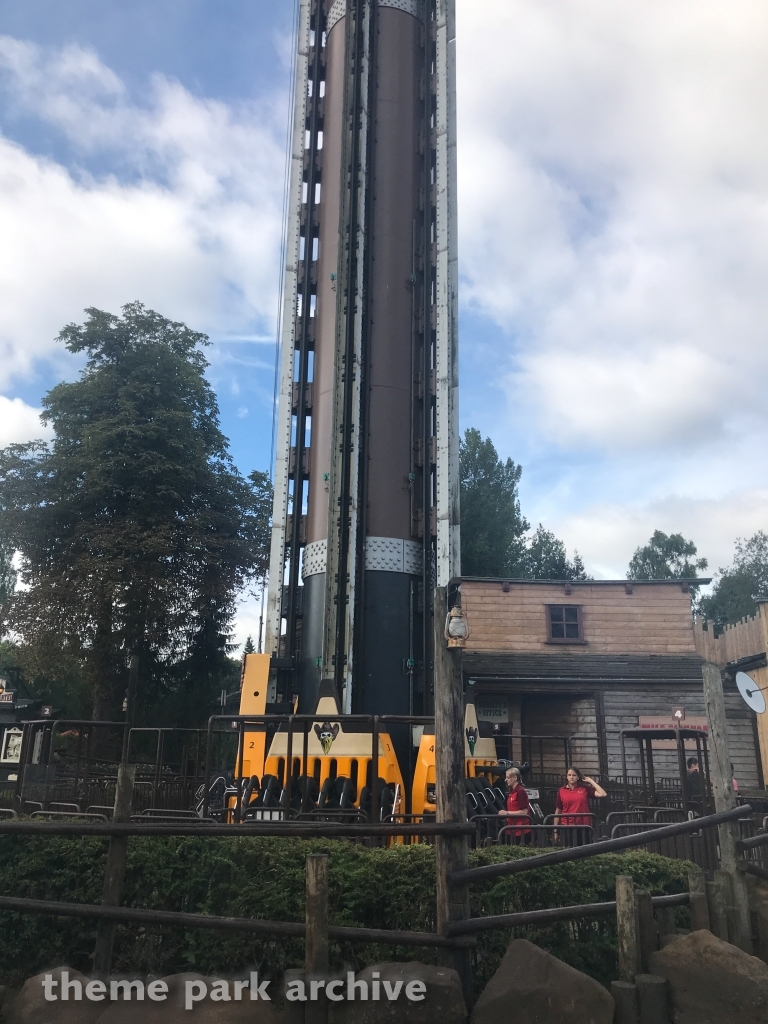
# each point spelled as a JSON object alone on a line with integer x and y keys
{"x": 472, "y": 734}
{"x": 327, "y": 733}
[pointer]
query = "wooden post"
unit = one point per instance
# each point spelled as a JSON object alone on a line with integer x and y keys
{"x": 698, "y": 894}
{"x": 452, "y": 853}
{"x": 626, "y": 924}
{"x": 647, "y": 930}
{"x": 316, "y": 945}
{"x": 652, "y": 999}
{"x": 724, "y": 880}
{"x": 625, "y": 996}
{"x": 114, "y": 872}
{"x": 718, "y": 920}
{"x": 725, "y": 799}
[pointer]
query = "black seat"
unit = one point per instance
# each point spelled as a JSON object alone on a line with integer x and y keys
{"x": 270, "y": 792}
{"x": 386, "y": 799}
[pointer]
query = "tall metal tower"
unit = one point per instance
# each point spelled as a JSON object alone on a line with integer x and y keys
{"x": 366, "y": 508}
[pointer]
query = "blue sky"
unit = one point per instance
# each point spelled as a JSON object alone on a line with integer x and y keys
{"x": 613, "y": 197}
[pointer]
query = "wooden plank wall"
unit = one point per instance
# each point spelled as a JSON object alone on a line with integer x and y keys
{"x": 653, "y": 619}
{"x": 563, "y": 716}
{"x": 622, "y": 711}
{"x": 741, "y": 640}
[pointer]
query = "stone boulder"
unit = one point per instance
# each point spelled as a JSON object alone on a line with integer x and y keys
{"x": 533, "y": 987}
{"x": 31, "y": 1007}
{"x": 713, "y": 982}
{"x": 443, "y": 1001}
{"x": 759, "y": 907}
{"x": 171, "y": 1010}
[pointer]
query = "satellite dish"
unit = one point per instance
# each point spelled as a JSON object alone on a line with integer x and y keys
{"x": 751, "y": 692}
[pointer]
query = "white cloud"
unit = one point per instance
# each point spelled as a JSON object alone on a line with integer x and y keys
{"x": 608, "y": 533}
{"x": 19, "y": 422}
{"x": 189, "y": 221}
{"x": 613, "y": 165}
{"x": 248, "y": 620}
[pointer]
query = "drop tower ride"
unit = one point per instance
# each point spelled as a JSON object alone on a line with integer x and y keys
{"x": 366, "y": 505}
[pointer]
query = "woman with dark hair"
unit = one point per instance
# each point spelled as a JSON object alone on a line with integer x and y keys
{"x": 572, "y": 805}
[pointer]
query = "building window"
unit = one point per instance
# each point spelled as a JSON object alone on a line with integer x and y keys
{"x": 564, "y": 624}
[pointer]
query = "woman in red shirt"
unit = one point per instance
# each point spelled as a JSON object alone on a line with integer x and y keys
{"x": 572, "y": 805}
{"x": 518, "y": 806}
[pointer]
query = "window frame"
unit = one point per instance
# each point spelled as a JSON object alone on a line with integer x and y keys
{"x": 559, "y": 641}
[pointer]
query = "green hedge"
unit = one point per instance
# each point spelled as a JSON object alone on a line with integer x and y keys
{"x": 264, "y": 877}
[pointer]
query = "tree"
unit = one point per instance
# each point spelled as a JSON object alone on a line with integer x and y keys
{"x": 665, "y": 557}
{"x": 738, "y": 587}
{"x": 546, "y": 559}
{"x": 7, "y": 572}
{"x": 248, "y": 646}
{"x": 135, "y": 529}
{"x": 492, "y": 527}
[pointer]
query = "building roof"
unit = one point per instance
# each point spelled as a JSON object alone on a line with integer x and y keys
{"x": 587, "y": 668}
{"x": 698, "y": 581}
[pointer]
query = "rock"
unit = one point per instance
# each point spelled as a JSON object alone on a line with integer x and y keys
{"x": 533, "y": 987}
{"x": 443, "y": 1001}
{"x": 172, "y": 1011}
{"x": 713, "y": 982}
{"x": 31, "y": 1007}
{"x": 759, "y": 906}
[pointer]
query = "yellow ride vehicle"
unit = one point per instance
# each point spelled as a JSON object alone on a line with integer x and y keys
{"x": 330, "y": 769}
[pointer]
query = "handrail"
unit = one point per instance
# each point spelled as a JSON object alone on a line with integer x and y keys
{"x": 513, "y": 867}
{"x": 291, "y": 829}
{"x": 241, "y": 924}
{"x": 752, "y": 842}
{"x": 551, "y": 914}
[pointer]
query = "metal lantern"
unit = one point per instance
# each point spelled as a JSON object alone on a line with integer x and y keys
{"x": 456, "y": 628}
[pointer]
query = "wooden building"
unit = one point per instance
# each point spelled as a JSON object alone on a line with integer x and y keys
{"x": 558, "y": 670}
{"x": 741, "y": 647}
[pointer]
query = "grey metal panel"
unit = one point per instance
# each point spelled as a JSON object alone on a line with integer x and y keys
{"x": 315, "y": 558}
{"x": 337, "y": 11}
{"x": 390, "y": 554}
{"x": 446, "y": 298}
{"x": 414, "y": 7}
{"x": 287, "y": 341}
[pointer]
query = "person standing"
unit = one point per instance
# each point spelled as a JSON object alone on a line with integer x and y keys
{"x": 695, "y": 789}
{"x": 518, "y": 805}
{"x": 572, "y": 807}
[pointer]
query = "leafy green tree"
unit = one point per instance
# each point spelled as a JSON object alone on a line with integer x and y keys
{"x": 738, "y": 587}
{"x": 7, "y": 572}
{"x": 666, "y": 557}
{"x": 135, "y": 529}
{"x": 248, "y": 646}
{"x": 546, "y": 559}
{"x": 492, "y": 526}
{"x": 493, "y": 529}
